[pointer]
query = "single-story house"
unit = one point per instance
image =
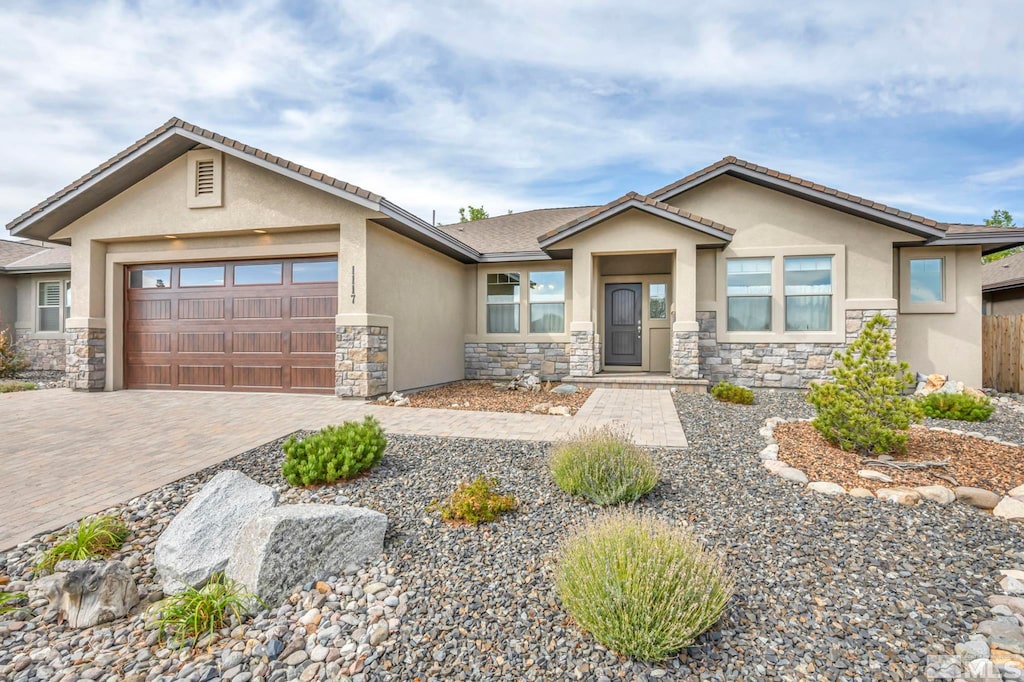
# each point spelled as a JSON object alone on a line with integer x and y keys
{"x": 201, "y": 262}
{"x": 1002, "y": 285}
{"x": 34, "y": 282}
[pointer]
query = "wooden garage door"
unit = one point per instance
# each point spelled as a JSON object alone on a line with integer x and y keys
{"x": 265, "y": 325}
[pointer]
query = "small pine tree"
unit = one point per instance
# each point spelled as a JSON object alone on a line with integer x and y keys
{"x": 865, "y": 409}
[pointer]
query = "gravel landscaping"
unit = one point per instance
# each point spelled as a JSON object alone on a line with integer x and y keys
{"x": 483, "y": 396}
{"x": 42, "y": 378}
{"x": 826, "y": 588}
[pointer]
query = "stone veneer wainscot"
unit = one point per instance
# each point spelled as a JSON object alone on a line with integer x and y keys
{"x": 361, "y": 361}
{"x": 86, "y": 363}
{"x": 778, "y": 365}
{"x": 547, "y": 359}
{"x": 42, "y": 354}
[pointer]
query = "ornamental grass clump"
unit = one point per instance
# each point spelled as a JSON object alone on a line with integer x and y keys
{"x": 958, "y": 406}
{"x": 641, "y": 587}
{"x": 865, "y": 410}
{"x": 731, "y": 393}
{"x": 476, "y": 502}
{"x": 92, "y": 539}
{"x": 16, "y": 386}
{"x": 11, "y": 602}
{"x": 604, "y": 466}
{"x": 335, "y": 452}
{"x": 197, "y": 612}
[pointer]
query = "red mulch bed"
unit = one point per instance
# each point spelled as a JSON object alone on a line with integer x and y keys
{"x": 972, "y": 461}
{"x": 482, "y": 395}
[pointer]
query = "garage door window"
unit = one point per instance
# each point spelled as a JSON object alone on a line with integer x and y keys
{"x": 202, "y": 277}
{"x": 157, "y": 278}
{"x": 325, "y": 271}
{"x": 261, "y": 273}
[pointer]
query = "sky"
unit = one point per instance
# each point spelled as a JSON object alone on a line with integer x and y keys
{"x": 521, "y": 104}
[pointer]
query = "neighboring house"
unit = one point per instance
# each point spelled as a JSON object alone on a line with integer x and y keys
{"x": 34, "y": 284}
{"x": 1002, "y": 284}
{"x": 204, "y": 263}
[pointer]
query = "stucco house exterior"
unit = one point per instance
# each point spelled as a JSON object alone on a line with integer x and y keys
{"x": 35, "y": 280}
{"x": 1002, "y": 285}
{"x": 203, "y": 263}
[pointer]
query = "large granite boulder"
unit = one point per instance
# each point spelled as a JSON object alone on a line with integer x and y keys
{"x": 86, "y": 593}
{"x": 198, "y": 542}
{"x": 293, "y": 544}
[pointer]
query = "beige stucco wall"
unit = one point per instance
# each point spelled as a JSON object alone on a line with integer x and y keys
{"x": 1009, "y": 302}
{"x": 424, "y": 294}
{"x": 948, "y": 343}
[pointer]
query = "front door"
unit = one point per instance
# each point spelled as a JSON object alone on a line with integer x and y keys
{"x": 623, "y": 313}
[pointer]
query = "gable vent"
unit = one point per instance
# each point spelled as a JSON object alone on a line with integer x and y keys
{"x": 204, "y": 177}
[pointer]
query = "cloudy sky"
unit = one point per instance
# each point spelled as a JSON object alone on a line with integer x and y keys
{"x": 527, "y": 103}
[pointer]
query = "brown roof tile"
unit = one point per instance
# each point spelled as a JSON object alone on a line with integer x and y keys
{"x": 11, "y": 251}
{"x": 512, "y": 233}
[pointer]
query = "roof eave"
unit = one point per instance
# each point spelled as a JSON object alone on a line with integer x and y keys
{"x": 35, "y": 268}
{"x": 514, "y": 256}
{"x": 991, "y": 242}
{"x": 808, "y": 193}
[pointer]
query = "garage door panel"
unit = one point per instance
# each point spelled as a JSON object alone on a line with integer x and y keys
{"x": 221, "y": 336}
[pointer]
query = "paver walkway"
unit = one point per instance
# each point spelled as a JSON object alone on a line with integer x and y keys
{"x": 64, "y": 455}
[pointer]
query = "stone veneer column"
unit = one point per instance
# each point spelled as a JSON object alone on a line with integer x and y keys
{"x": 86, "y": 364}
{"x": 361, "y": 361}
{"x": 685, "y": 350}
{"x": 584, "y": 350}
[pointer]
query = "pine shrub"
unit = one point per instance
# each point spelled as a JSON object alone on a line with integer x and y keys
{"x": 476, "y": 502}
{"x": 641, "y": 587}
{"x": 865, "y": 410}
{"x": 604, "y": 466}
{"x": 335, "y": 452}
{"x": 731, "y": 393}
{"x": 12, "y": 360}
{"x": 958, "y": 406}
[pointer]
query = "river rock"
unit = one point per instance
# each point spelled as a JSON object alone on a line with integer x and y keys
{"x": 792, "y": 475}
{"x": 294, "y": 544}
{"x": 977, "y": 497}
{"x": 1010, "y": 509}
{"x": 565, "y": 388}
{"x": 86, "y": 593}
{"x": 1017, "y": 492}
{"x": 904, "y": 496}
{"x": 872, "y": 475}
{"x": 861, "y": 492}
{"x": 826, "y": 488}
{"x": 199, "y": 541}
{"x": 936, "y": 493}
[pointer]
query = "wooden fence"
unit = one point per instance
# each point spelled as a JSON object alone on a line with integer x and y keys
{"x": 1002, "y": 343}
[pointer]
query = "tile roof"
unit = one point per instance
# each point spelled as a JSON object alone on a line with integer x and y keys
{"x": 634, "y": 196}
{"x": 209, "y": 135}
{"x": 792, "y": 179}
{"x": 512, "y": 233}
{"x": 11, "y": 251}
{"x": 1003, "y": 272}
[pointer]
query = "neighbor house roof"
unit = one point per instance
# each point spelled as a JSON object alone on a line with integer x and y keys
{"x": 11, "y": 251}
{"x": 1005, "y": 273}
{"x": 514, "y": 232}
{"x": 25, "y": 257}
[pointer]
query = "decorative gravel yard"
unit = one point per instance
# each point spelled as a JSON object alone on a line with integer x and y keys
{"x": 825, "y": 588}
{"x": 484, "y": 396}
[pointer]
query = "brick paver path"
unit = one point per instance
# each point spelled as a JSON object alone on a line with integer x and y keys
{"x": 64, "y": 455}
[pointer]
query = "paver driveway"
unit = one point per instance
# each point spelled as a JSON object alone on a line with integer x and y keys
{"x": 64, "y": 455}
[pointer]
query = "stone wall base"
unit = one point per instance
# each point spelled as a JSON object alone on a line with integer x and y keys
{"x": 548, "y": 360}
{"x": 42, "y": 354}
{"x": 685, "y": 360}
{"x": 86, "y": 363}
{"x": 361, "y": 361}
{"x": 584, "y": 354}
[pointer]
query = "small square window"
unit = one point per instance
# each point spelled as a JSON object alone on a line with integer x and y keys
{"x": 926, "y": 280}
{"x": 204, "y": 276}
{"x": 318, "y": 271}
{"x": 258, "y": 273}
{"x": 158, "y": 278}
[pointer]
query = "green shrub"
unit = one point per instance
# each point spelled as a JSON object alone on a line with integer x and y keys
{"x": 958, "y": 406}
{"x": 641, "y": 587}
{"x": 9, "y": 602}
{"x": 476, "y": 502}
{"x": 15, "y": 386}
{"x": 604, "y": 466}
{"x": 865, "y": 409}
{"x": 97, "y": 537}
{"x": 194, "y": 613}
{"x": 12, "y": 360}
{"x": 336, "y": 452}
{"x": 731, "y": 393}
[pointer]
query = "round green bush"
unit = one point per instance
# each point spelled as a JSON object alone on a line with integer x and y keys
{"x": 335, "y": 452}
{"x": 731, "y": 393}
{"x": 603, "y": 466}
{"x": 641, "y": 587}
{"x": 957, "y": 406}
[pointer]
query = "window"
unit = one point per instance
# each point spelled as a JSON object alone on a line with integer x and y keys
{"x": 259, "y": 273}
{"x": 658, "y": 297}
{"x": 203, "y": 276}
{"x": 49, "y": 307}
{"x": 926, "y": 280}
{"x": 320, "y": 271}
{"x": 67, "y": 300}
{"x": 748, "y": 290}
{"x": 808, "y": 291}
{"x": 547, "y": 302}
{"x": 503, "y": 303}
{"x": 159, "y": 278}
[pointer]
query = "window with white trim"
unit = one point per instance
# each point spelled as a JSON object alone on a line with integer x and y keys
{"x": 50, "y": 306}
{"x": 808, "y": 291}
{"x": 748, "y": 290}
{"x": 503, "y": 297}
{"x": 547, "y": 302}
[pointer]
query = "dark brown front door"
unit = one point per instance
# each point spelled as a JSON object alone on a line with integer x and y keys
{"x": 266, "y": 325}
{"x": 622, "y": 320}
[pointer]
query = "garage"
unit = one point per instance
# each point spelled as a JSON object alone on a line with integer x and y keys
{"x": 256, "y": 325}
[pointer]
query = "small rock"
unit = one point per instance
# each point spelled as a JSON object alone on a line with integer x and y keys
{"x": 565, "y": 388}
{"x": 541, "y": 408}
{"x": 977, "y": 497}
{"x": 904, "y": 496}
{"x": 1010, "y": 509}
{"x": 972, "y": 650}
{"x": 560, "y": 411}
{"x": 770, "y": 452}
{"x": 936, "y": 493}
{"x": 378, "y": 634}
{"x": 774, "y": 465}
{"x": 793, "y": 475}
{"x": 296, "y": 657}
{"x": 861, "y": 492}
{"x": 826, "y": 488}
{"x": 873, "y": 475}
{"x": 1016, "y": 492}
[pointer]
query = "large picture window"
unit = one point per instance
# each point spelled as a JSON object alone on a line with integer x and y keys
{"x": 749, "y": 294}
{"x": 503, "y": 303}
{"x": 926, "y": 280}
{"x": 808, "y": 291}
{"x": 547, "y": 302}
